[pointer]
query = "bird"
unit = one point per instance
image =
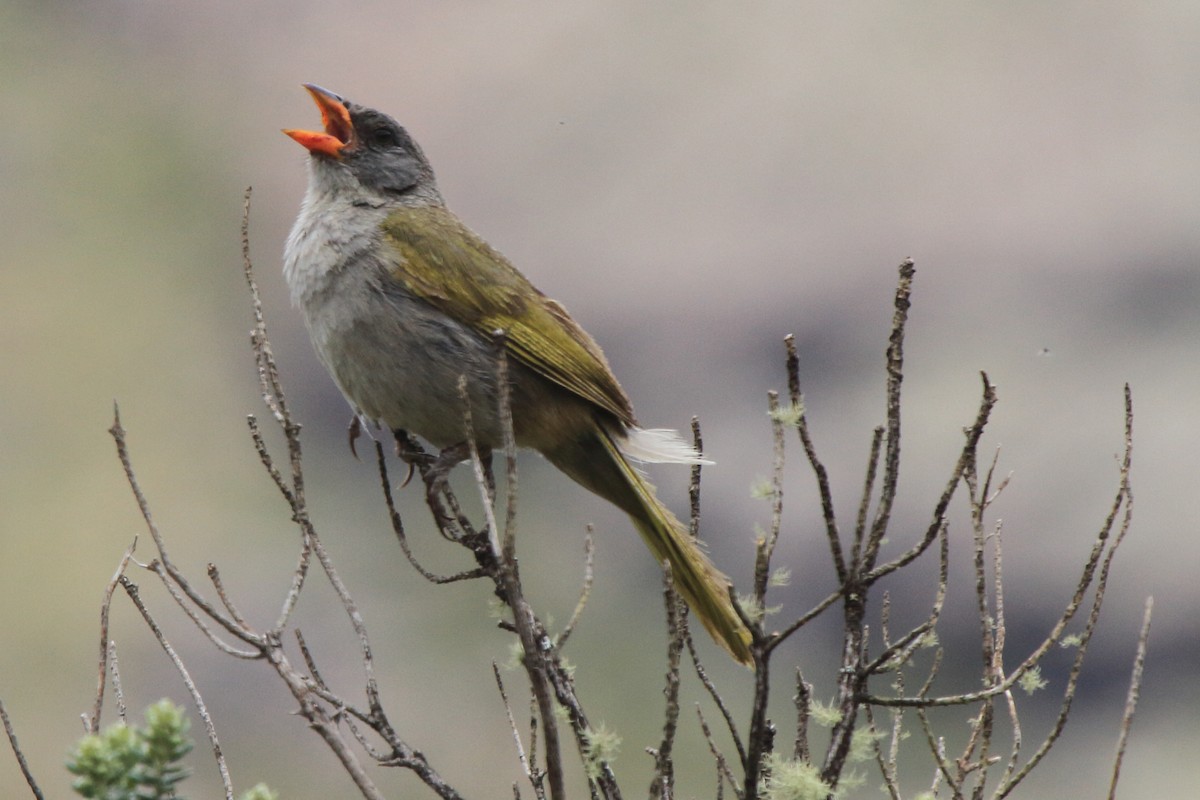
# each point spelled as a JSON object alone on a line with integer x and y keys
{"x": 402, "y": 302}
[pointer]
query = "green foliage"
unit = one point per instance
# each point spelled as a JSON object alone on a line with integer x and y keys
{"x": 602, "y": 746}
{"x": 124, "y": 763}
{"x": 791, "y": 414}
{"x": 785, "y": 779}
{"x": 762, "y": 489}
{"x": 862, "y": 744}
{"x": 751, "y": 607}
{"x": 260, "y": 792}
{"x": 825, "y": 715}
{"x": 1032, "y": 680}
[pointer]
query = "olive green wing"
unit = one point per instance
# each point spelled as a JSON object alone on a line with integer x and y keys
{"x": 443, "y": 262}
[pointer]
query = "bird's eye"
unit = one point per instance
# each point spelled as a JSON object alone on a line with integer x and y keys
{"x": 383, "y": 138}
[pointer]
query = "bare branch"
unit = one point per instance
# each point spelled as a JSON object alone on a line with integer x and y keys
{"x": 778, "y": 638}
{"x": 864, "y": 506}
{"x": 1131, "y": 699}
{"x": 803, "y": 701}
{"x": 243, "y": 633}
{"x": 16, "y": 748}
{"x": 534, "y": 779}
{"x": 118, "y": 692}
{"x": 694, "y": 482}
{"x": 92, "y": 722}
{"x": 762, "y": 564}
{"x": 663, "y": 784}
{"x": 722, "y": 764}
{"x": 891, "y": 458}
{"x": 585, "y": 591}
{"x": 711, "y": 688}
{"x": 967, "y": 454}
{"x": 402, "y": 537}
{"x": 118, "y": 434}
{"x": 822, "y": 476}
{"x": 131, "y": 589}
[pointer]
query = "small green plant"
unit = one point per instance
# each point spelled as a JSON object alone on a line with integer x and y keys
{"x": 128, "y": 763}
{"x": 124, "y": 763}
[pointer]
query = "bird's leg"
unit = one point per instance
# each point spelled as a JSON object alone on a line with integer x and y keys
{"x": 435, "y": 471}
{"x": 447, "y": 459}
{"x": 353, "y": 432}
{"x": 410, "y": 452}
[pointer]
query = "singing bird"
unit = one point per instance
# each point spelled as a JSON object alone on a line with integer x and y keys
{"x": 402, "y": 299}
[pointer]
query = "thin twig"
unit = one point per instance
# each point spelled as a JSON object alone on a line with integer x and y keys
{"x": 973, "y": 434}
{"x": 538, "y": 789}
{"x": 244, "y": 633}
{"x": 118, "y": 434}
{"x": 402, "y": 537}
{"x": 810, "y": 451}
{"x": 92, "y": 723}
{"x": 803, "y": 701}
{"x": 16, "y": 748}
{"x": 114, "y": 667}
{"x": 864, "y": 505}
{"x": 534, "y": 642}
{"x": 722, "y": 765}
{"x": 131, "y": 589}
{"x": 1131, "y": 699}
{"x": 886, "y": 768}
{"x": 585, "y": 591}
{"x": 694, "y": 482}
{"x": 891, "y": 458}
{"x": 663, "y": 784}
{"x": 711, "y": 688}
{"x": 762, "y": 565}
{"x": 779, "y": 637}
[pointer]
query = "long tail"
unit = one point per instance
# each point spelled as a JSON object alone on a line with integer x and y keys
{"x": 600, "y": 465}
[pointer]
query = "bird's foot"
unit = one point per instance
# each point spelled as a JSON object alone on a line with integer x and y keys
{"x": 410, "y": 452}
{"x": 352, "y": 433}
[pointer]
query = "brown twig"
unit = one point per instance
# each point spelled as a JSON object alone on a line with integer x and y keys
{"x": 766, "y": 547}
{"x": 973, "y": 434}
{"x": 585, "y": 591}
{"x": 891, "y": 458}
{"x": 663, "y": 784}
{"x": 803, "y": 702}
{"x": 1131, "y": 699}
{"x": 818, "y": 468}
{"x": 20, "y": 755}
{"x": 858, "y": 579}
{"x": 92, "y": 721}
{"x": 711, "y": 688}
{"x": 723, "y": 770}
{"x": 244, "y": 633}
{"x": 402, "y": 537}
{"x": 114, "y": 667}
{"x": 535, "y": 778}
{"x": 694, "y": 481}
{"x": 535, "y": 643}
{"x": 131, "y": 589}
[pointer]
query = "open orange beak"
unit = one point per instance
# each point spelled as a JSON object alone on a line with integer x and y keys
{"x": 339, "y": 131}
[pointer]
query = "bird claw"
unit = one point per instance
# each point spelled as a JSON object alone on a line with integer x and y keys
{"x": 412, "y": 470}
{"x": 352, "y": 433}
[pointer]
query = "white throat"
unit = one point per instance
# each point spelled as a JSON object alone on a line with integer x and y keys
{"x": 332, "y": 228}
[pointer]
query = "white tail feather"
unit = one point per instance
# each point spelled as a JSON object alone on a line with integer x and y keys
{"x": 658, "y": 446}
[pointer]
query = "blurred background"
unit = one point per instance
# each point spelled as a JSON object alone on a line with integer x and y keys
{"x": 692, "y": 180}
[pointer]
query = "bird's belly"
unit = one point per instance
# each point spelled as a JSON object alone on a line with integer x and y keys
{"x": 400, "y": 363}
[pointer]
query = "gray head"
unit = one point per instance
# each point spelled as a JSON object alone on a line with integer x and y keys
{"x": 365, "y": 152}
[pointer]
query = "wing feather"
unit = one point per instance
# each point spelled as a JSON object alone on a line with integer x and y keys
{"x": 443, "y": 262}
